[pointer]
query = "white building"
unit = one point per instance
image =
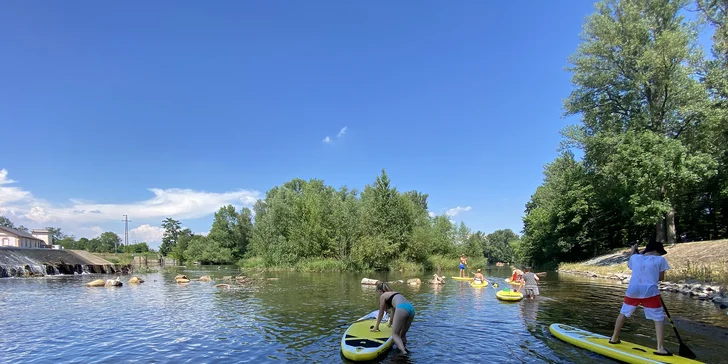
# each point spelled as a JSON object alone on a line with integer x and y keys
{"x": 37, "y": 239}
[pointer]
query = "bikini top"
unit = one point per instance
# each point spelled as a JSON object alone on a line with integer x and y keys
{"x": 389, "y": 300}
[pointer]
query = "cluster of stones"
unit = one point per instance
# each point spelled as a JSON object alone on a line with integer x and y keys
{"x": 623, "y": 278}
{"x": 706, "y": 292}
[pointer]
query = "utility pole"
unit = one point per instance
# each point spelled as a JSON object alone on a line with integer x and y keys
{"x": 126, "y": 230}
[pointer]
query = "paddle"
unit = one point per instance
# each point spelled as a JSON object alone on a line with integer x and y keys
{"x": 684, "y": 350}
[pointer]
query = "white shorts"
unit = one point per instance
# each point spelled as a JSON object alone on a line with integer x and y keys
{"x": 654, "y": 314}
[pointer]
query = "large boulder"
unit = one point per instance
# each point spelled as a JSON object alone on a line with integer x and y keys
{"x": 96, "y": 283}
{"x": 180, "y": 276}
{"x": 414, "y": 281}
{"x": 205, "y": 279}
{"x": 135, "y": 280}
{"x": 368, "y": 281}
{"x": 182, "y": 280}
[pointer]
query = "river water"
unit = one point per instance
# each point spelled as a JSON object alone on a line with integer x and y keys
{"x": 300, "y": 318}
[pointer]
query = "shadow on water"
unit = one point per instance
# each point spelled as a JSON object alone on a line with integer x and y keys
{"x": 301, "y": 317}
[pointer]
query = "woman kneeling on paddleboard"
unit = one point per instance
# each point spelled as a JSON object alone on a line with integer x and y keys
{"x": 401, "y": 315}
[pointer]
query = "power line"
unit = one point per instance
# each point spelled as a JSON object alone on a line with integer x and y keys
{"x": 126, "y": 230}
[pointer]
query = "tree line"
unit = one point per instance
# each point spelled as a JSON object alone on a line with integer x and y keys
{"x": 108, "y": 242}
{"x": 299, "y": 221}
{"x": 652, "y": 140}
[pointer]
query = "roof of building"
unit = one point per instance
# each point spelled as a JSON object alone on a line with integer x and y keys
{"x": 18, "y": 232}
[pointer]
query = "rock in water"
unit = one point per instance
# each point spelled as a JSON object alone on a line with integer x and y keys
{"x": 135, "y": 280}
{"x": 414, "y": 281}
{"x": 180, "y": 276}
{"x": 182, "y": 280}
{"x": 205, "y": 279}
{"x": 222, "y": 286}
{"x": 369, "y": 281}
{"x": 114, "y": 283}
{"x": 96, "y": 283}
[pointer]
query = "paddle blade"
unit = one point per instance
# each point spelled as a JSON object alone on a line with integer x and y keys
{"x": 685, "y": 352}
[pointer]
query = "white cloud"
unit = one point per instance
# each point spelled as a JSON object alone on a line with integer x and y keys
{"x": 342, "y": 132}
{"x": 327, "y": 139}
{"x": 431, "y": 214}
{"x": 9, "y": 194}
{"x": 457, "y": 210}
{"x": 82, "y": 217}
{"x": 148, "y": 233}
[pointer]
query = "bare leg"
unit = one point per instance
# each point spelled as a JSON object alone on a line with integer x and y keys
{"x": 400, "y": 319}
{"x": 405, "y": 328}
{"x": 660, "y": 332}
{"x": 618, "y": 327}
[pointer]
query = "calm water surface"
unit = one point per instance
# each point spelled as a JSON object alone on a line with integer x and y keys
{"x": 301, "y": 317}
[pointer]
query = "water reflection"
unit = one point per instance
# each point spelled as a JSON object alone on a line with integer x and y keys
{"x": 301, "y": 317}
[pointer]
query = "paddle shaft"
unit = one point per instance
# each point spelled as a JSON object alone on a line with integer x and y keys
{"x": 684, "y": 349}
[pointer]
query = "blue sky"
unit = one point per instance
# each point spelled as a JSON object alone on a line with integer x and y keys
{"x": 173, "y": 108}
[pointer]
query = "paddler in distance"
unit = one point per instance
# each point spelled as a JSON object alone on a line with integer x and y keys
{"x": 400, "y": 317}
{"x": 463, "y": 265}
{"x": 478, "y": 277}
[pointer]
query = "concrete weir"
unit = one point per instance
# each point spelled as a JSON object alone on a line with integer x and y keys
{"x": 25, "y": 262}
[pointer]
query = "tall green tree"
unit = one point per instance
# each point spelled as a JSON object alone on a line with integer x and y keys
{"x": 232, "y": 230}
{"x": 636, "y": 71}
{"x": 171, "y": 232}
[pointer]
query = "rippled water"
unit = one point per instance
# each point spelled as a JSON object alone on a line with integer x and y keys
{"x": 301, "y": 317}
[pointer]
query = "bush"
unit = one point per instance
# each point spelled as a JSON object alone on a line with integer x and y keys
{"x": 251, "y": 263}
{"x": 402, "y": 265}
{"x": 321, "y": 265}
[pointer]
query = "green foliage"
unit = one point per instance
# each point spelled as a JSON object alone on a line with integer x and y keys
{"x": 169, "y": 239}
{"x": 207, "y": 251}
{"x": 321, "y": 265}
{"x": 5, "y": 222}
{"x": 653, "y": 134}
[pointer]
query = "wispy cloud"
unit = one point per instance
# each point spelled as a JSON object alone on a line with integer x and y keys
{"x": 327, "y": 139}
{"x": 342, "y": 132}
{"x": 84, "y": 218}
{"x": 431, "y": 214}
{"x": 457, "y": 210}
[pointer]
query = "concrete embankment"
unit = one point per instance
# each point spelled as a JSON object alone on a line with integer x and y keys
{"x": 23, "y": 262}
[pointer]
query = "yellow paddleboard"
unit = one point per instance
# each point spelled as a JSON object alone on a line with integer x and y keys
{"x": 625, "y": 351}
{"x": 508, "y": 280}
{"x": 360, "y": 344}
{"x": 508, "y": 295}
{"x": 462, "y": 278}
{"x": 479, "y": 285}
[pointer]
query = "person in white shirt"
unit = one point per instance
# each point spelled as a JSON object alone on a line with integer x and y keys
{"x": 648, "y": 269}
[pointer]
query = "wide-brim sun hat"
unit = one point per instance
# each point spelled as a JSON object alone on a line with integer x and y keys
{"x": 655, "y": 246}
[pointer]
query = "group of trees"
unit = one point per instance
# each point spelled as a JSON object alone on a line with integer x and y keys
{"x": 303, "y": 220}
{"x": 227, "y": 241}
{"x": 108, "y": 242}
{"x": 653, "y": 133}
{"x": 308, "y": 220}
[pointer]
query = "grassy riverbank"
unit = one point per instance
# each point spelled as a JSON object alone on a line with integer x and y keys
{"x": 433, "y": 263}
{"x": 705, "y": 262}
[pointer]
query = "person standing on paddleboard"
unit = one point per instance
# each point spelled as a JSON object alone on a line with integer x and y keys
{"x": 463, "y": 265}
{"x": 400, "y": 318}
{"x": 648, "y": 269}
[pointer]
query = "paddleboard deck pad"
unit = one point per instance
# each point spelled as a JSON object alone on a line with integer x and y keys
{"x": 360, "y": 344}
{"x": 462, "y": 278}
{"x": 508, "y": 295}
{"x": 624, "y": 351}
{"x": 479, "y": 285}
